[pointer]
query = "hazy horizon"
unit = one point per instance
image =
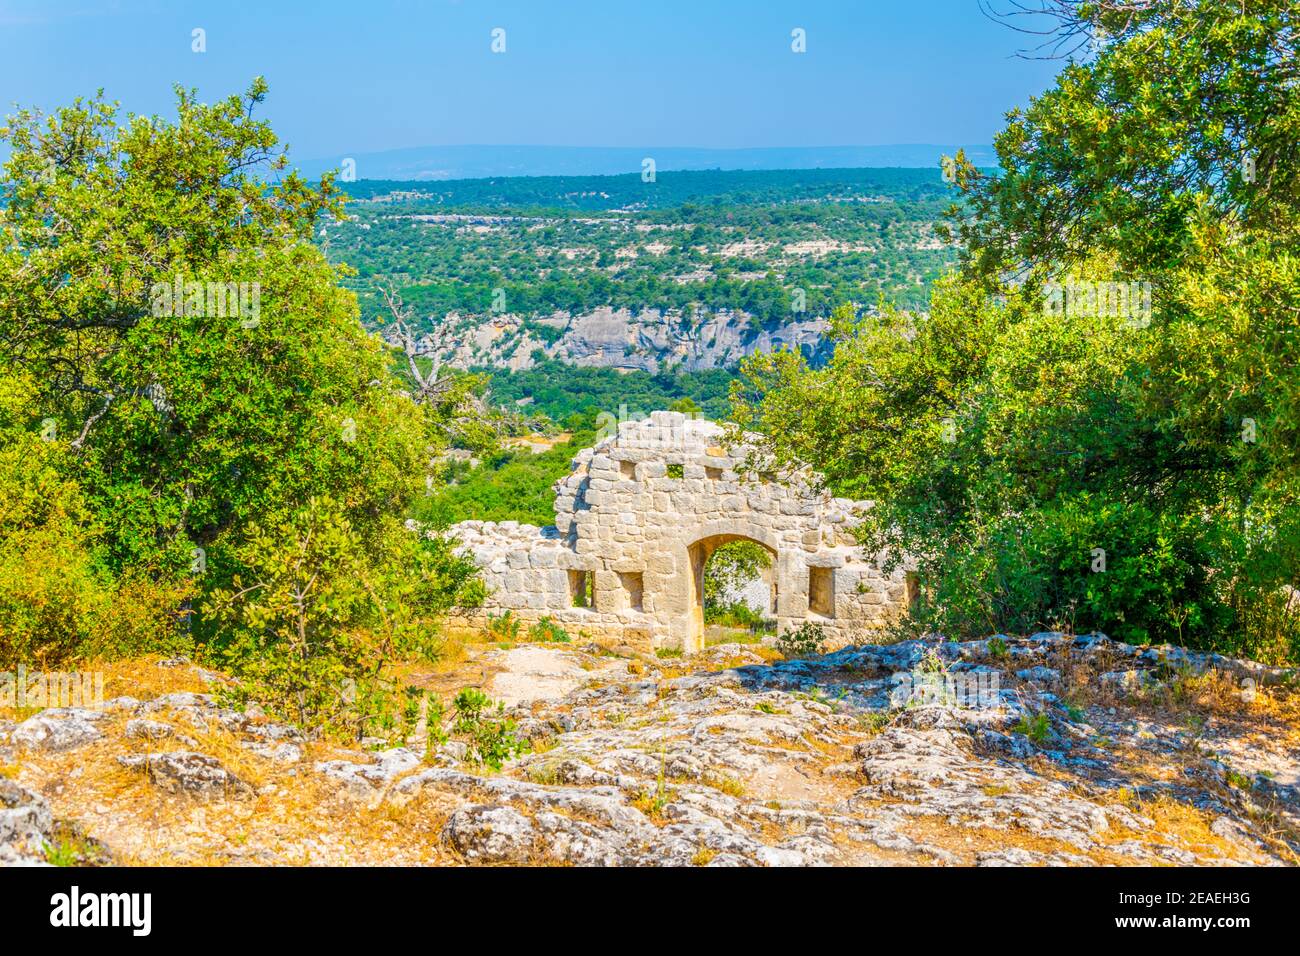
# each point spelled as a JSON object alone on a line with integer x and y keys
{"x": 393, "y": 75}
{"x": 483, "y": 160}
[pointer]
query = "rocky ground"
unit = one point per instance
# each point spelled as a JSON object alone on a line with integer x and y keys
{"x": 1080, "y": 751}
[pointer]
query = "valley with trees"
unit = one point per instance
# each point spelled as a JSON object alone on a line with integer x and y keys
{"x": 685, "y": 241}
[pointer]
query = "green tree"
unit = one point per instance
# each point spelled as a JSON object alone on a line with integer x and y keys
{"x": 209, "y": 378}
{"x": 59, "y": 598}
{"x": 1051, "y": 466}
{"x": 733, "y": 566}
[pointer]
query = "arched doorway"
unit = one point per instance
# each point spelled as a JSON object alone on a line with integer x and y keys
{"x": 699, "y": 556}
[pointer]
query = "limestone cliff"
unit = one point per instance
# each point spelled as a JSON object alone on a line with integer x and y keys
{"x": 647, "y": 340}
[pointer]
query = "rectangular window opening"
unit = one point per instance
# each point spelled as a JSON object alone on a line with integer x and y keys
{"x": 821, "y": 591}
{"x": 582, "y": 589}
{"x": 913, "y": 590}
{"x": 634, "y": 585}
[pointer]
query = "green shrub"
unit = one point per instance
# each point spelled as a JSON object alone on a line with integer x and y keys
{"x": 61, "y": 599}
{"x": 1010, "y": 438}
{"x": 312, "y": 619}
{"x": 504, "y": 627}
{"x": 547, "y": 631}
{"x": 1041, "y": 571}
{"x": 1037, "y": 728}
{"x": 740, "y": 614}
{"x": 730, "y": 568}
{"x": 261, "y": 457}
{"x": 807, "y": 639}
{"x": 492, "y": 740}
{"x": 506, "y": 486}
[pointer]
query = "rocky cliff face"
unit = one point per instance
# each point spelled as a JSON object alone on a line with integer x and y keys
{"x": 647, "y": 340}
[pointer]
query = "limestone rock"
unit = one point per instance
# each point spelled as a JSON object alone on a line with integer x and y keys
{"x": 725, "y": 758}
{"x": 1039, "y": 674}
{"x": 59, "y": 729}
{"x": 1130, "y": 680}
{"x": 25, "y": 826}
{"x": 646, "y": 339}
{"x": 285, "y": 752}
{"x": 491, "y": 834}
{"x": 187, "y": 772}
{"x": 366, "y": 777}
{"x": 629, "y": 529}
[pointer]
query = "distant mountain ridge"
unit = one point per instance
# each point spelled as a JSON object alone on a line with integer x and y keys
{"x": 435, "y": 163}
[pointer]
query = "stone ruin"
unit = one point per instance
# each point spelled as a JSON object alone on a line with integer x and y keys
{"x": 636, "y": 521}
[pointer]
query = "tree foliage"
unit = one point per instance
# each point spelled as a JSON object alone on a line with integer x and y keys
{"x": 1088, "y": 468}
{"x": 204, "y": 391}
{"x": 731, "y": 568}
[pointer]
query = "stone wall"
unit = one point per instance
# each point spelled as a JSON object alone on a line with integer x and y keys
{"x": 638, "y": 517}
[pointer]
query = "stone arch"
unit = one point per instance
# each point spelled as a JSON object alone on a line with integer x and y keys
{"x": 698, "y": 553}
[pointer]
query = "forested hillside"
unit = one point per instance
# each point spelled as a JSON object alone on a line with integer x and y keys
{"x": 685, "y": 242}
{"x": 561, "y": 392}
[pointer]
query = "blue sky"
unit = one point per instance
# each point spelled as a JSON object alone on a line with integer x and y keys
{"x": 351, "y": 77}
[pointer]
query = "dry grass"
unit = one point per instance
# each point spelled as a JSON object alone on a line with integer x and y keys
{"x": 1213, "y": 691}
{"x": 726, "y": 783}
{"x": 1176, "y": 823}
{"x": 293, "y": 817}
{"x": 967, "y": 841}
{"x": 654, "y": 803}
{"x": 141, "y": 677}
{"x": 703, "y": 856}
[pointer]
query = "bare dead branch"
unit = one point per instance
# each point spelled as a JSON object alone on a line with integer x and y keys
{"x": 80, "y": 440}
{"x": 1067, "y": 26}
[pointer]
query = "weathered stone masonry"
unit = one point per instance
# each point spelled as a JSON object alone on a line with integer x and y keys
{"x": 638, "y": 517}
